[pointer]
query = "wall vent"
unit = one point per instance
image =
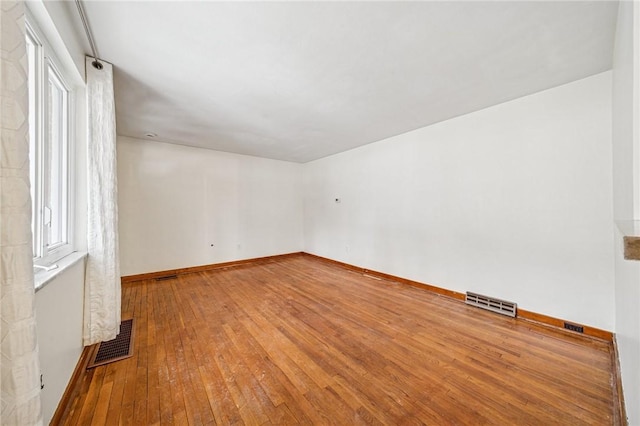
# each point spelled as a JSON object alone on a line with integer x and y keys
{"x": 574, "y": 327}
{"x": 491, "y": 304}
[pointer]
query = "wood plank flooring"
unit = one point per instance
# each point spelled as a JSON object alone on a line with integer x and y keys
{"x": 302, "y": 341}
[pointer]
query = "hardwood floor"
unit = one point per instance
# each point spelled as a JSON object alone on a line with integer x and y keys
{"x": 302, "y": 341}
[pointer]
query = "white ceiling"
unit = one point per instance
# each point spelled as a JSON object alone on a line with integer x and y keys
{"x": 299, "y": 81}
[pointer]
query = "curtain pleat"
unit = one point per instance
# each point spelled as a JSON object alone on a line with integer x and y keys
{"x": 102, "y": 283}
{"x": 20, "y": 369}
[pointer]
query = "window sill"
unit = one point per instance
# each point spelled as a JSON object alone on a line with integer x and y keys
{"x": 42, "y": 278}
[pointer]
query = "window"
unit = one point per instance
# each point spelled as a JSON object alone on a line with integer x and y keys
{"x": 49, "y": 152}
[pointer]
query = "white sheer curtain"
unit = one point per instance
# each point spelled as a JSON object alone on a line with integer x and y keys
{"x": 20, "y": 370}
{"x": 102, "y": 283}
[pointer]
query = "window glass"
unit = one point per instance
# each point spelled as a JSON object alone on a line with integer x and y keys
{"x": 55, "y": 194}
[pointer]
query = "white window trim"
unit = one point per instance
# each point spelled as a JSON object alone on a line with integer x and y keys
{"x": 47, "y": 59}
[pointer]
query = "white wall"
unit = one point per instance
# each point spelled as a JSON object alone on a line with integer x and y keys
{"x": 513, "y": 201}
{"x": 175, "y": 201}
{"x": 59, "y": 323}
{"x": 626, "y": 155}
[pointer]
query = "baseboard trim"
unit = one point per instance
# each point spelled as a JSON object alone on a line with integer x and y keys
{"x": 619, "y": 410}
{"x": 559, "y": 323}
{"x": 438, "y": 290}
{"x": 194, "y": 269}
{"x": 73, "y": 387}
{"x": 522, "y": 314}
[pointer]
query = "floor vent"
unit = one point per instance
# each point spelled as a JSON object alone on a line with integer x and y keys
{"x": 167, "y": 277}
{"x": 114, "y": 350}
{"x": 489, "y": 303}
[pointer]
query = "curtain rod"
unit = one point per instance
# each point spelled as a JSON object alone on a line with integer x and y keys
{"x": 96, "y": 59}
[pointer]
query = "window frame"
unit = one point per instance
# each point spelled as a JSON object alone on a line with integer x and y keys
{"x": 46, "y": 64}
